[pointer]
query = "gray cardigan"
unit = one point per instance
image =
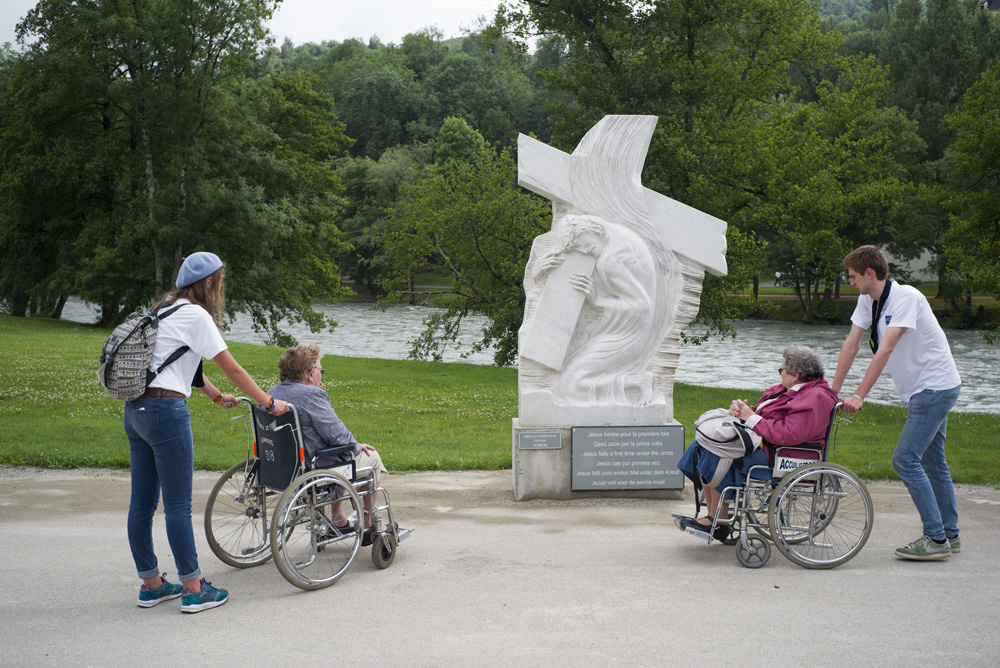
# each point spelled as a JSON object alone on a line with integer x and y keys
{"x": 320, "y": 425}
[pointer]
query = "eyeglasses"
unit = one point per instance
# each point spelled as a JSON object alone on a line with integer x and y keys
{"x": 781, "y": 370}
{"x": 321, "y": 369}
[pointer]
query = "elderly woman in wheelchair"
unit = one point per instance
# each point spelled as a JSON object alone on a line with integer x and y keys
{"x": 799, "y": 411}
{"x": 308, "y": 492}
{"x": 301, "y": 372}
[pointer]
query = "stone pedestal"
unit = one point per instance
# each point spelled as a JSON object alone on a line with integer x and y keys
{"x": 546, "y": 473}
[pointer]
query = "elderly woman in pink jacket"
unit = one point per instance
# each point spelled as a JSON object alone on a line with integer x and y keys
{"x": 795, "y": 411}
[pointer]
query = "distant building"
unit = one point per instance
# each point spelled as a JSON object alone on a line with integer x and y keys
{"x": 990, "y": 5}
{"x": 920, "y": 269}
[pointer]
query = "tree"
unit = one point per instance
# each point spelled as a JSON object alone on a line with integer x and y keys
{"x": 176, "y": 139}
{"x": 455, "y": 144}
{"x": 705, "y": 69}
{"x": 973, "y": 242}
{"x": 475, "y": 225}
{"x": 371, "y": 189}
{"x": 159, "y": 64}
{"x": 269, "y": 200}
{"x": 831, "y": 174}
{"x": 934, "y": 51}
{"x": 69, "y": 186}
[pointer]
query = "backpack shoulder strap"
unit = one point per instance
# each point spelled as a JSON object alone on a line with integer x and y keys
{"x": 741, "y": 431}
{"x": 174, "y": 356}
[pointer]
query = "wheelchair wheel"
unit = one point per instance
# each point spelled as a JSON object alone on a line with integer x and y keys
{"x": 821, "y": 515}
{"x": 237, "y": 517}
{"x": 384, "y": 550}
{"x": 825, "y": 509}
{"x": 308, "y": 550}
{"x": 755, "y": 553}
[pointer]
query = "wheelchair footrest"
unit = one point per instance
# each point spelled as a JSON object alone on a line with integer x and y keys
{"x": 402, "y": 534}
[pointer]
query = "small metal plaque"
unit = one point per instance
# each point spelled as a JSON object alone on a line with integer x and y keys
{"x": 627, "y": 458}
{"x": 539, "y": 440}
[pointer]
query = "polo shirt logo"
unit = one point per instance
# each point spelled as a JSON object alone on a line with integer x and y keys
{"x": 888, "y": 319}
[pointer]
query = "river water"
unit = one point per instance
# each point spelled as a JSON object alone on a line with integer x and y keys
{"x": 750, "y": 361}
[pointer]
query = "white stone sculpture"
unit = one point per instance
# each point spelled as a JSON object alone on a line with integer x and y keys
{"x": 610, "y": 287}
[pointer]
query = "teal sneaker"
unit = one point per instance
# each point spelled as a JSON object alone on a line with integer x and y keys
{"x": 956, "y": 544}
{"x": 208, "y": 597}
{"x": 148, "y": 597}
{"x": 923, "y": 549}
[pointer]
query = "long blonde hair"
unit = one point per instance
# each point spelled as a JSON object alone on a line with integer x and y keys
{"x": 211, "y": 299}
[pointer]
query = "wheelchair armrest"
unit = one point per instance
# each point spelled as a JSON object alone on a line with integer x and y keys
{"x": 333, "y": 450}
{"x": 802, "y": 446}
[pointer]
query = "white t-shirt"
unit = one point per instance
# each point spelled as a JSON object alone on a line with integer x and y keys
{"x": 190, "y": 326}
{"x": 922, "y": 359}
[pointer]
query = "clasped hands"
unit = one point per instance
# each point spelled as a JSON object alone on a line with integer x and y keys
{"x": 740, "y": 409}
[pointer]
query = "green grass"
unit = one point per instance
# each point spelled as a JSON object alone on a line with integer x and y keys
{"x": 419, "y": 415}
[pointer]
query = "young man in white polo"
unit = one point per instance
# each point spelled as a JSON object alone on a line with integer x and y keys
{"x": 907, "y": 340}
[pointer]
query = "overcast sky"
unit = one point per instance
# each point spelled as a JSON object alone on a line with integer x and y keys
{"x": 320, "y": 20}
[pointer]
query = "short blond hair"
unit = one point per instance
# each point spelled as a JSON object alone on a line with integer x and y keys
{"x": 296, "y": 362}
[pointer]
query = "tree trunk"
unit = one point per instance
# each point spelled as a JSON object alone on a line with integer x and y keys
{"x": 756, "y": 286}
{"x": 151, "y": 197}
{"x": 60, "y": 304}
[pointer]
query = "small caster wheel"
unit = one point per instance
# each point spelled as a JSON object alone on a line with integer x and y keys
{"x": 383, "y": 550}
{"x": 754, "y": 553}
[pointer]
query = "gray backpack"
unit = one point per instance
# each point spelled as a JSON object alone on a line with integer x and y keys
{"x": 124, "y": 364}
{"x": 725, "y": 436}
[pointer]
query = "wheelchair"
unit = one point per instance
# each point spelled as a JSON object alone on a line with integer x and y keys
{"x": 277, "y": 504}
{"x": 818, "y": 514}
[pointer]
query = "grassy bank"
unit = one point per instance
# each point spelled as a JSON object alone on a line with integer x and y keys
{"x": 420, "y": 415}
{"x": 984, "y": 313}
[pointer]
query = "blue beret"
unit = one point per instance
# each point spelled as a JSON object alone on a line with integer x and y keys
{"x": 196, "y": 267}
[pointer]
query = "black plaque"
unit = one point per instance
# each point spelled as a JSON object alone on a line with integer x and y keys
{"x": 539, "y": 440}
{"x": 627, "y": 458}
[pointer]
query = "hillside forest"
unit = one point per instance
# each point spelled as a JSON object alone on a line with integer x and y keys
{"x": 132, "y": 134}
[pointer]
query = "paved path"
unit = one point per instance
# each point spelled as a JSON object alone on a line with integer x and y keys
{"x": 487, "y": 581}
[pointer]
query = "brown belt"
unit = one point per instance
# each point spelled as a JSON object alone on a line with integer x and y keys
{"x": 160, "y": 392}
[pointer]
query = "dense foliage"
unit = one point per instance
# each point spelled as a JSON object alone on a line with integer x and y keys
{"x": 133, "y": 135}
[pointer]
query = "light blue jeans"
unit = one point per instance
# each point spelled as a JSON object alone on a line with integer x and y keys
{"x": 162, "y": 448}
{"x": 919, "y": 461}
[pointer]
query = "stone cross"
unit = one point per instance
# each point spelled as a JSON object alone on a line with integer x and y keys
{"x": 618, "y": 254}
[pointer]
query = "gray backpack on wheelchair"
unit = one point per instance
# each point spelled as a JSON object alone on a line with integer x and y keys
{"x": 727, "y": 437}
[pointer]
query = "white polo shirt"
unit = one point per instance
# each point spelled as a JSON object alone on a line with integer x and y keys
{"x": 922, "y": 359}
{"x": 191, "y": 326}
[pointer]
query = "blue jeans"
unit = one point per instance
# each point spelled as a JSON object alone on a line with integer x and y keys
{"x": 919, "y": 461}
{"x": 162, "y": 447}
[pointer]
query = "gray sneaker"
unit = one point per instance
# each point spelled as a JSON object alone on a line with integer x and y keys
{"x": 956, "y": 545}
{"x": 923, "y": 549}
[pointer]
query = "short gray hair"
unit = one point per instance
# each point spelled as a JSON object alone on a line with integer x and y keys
{"x": 803, "y": 361}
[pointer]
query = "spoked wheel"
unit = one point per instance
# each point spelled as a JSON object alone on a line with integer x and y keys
{"x": 309, "y": 550}
{"x": 754, "y": 553}
{"x": 238, "y": 515}
{"x": 383, "y": 550}
{"x": 821, "y": 515}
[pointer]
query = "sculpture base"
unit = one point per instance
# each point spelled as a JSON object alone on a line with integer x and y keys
{"x": 544, "y": 470}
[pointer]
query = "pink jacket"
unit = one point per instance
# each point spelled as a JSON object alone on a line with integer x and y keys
{"x": 796, "y": 417}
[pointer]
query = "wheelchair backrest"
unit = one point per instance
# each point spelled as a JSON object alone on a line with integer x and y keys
{"x": 278, "y": 446}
